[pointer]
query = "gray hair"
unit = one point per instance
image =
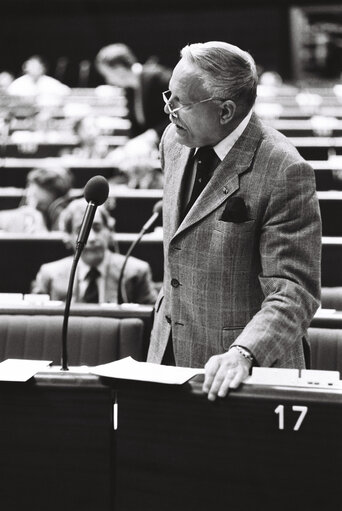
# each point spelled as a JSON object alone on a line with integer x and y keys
{"x": 227, "y": 71}
{"x": 77, "y": 208}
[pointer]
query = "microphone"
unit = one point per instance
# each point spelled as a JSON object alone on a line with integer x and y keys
{"x": 157, "y": 209}
{"x": 95, "y": 192}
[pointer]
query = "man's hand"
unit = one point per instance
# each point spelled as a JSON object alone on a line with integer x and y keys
{"x": 223, "y": 372}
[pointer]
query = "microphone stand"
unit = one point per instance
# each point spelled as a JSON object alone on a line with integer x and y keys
{"x": 67, "y": 311}
{"x": 122, "y": 295}
{"x": 81, "y": 241}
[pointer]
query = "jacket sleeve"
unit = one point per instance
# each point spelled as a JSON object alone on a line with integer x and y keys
{"x": 290, "y": 254}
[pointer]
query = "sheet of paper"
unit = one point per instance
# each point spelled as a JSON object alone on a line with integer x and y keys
{"x": 14, "y": 369}
{"x": 129, "y": 369}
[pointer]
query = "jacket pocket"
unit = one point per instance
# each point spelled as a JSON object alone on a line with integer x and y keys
{"x": 229, "y": 335}
{"x": 234, "y": 228}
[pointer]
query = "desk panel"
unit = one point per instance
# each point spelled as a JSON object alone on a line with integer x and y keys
{"x": 57, "y": 448}
{"x": 177, "y": 450}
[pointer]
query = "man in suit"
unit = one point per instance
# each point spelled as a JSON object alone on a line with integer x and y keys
{"x": 143, "y": 84}
{"x": 242, "y": 259}
{"x": 98, "y": 269}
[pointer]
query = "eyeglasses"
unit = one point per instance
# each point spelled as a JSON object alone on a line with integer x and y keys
{"x": 173, "y": 111}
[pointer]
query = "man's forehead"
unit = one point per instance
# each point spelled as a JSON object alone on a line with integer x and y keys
{"x": 77, "y": 218}
{"x": 186, "y": 78}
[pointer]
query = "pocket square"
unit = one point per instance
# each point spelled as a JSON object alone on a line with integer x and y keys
{"x": 235, "y": 211}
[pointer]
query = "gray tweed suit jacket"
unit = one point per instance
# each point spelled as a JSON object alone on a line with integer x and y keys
{"x": 255, "y": 283}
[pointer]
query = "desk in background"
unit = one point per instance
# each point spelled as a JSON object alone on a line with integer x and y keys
{"x": 131, "y": 208}
{"x": 13, "y": 171}
{"x": 21, "y": 256}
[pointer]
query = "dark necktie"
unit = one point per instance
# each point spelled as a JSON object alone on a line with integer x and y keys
{"x": 91, "y": 294}
{"x": 207, "y": 161}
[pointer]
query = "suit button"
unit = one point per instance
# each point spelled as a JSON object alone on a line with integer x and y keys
{"x": 174, "y": 283}
{"x": 168, "y": 319}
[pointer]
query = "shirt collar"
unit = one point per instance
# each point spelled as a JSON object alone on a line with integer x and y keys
{"x": 225, "y": 145}
{"x": 84, "y": 268}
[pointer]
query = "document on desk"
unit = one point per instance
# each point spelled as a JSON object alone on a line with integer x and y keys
{"x": 20, "y": 370}
{"x": 129, "y": 369}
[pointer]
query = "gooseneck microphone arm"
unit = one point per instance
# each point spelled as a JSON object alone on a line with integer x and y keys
{"x": 96, "y": 193}
{"x": 122, "y": 295}
{"x": 67, "y": 311}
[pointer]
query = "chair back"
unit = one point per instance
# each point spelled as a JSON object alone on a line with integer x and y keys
{"x": 326, "y": 348}
{"x": 91, "y": 340}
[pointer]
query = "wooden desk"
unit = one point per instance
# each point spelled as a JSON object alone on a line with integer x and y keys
{"x": 330, "y": 203}
{"x": 57, "y": 444}
{"x": 13, "y": 171}
{"x": 327, "y": 319}
{"x": 131, "y": 208}
{"x": 177, "y": 450}
{"x": 21, "y": 256}
{"x": 317, "y": 148}
{"x": 172, "y": 449}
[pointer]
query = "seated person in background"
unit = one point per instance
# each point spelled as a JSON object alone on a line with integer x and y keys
{"x": 144, "y": 85}
{"x": 46, "y": 194}
{"x": 98, "y": 269}
{"x": 141, "y": 173}
{"x": 6, "y": 78}
{"x": 90, "y": 144}
{"x": 48, "y": 191}
{"x": 35, "y": 81}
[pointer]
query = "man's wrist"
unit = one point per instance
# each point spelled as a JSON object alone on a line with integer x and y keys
{"x": 244, "y": 352}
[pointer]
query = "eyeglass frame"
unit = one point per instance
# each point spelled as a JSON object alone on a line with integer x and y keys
{"x": 172, "y": 111}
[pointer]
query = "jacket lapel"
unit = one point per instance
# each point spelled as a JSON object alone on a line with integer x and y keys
{"x": 226, "y": 178}
{"x": 179, "y": 159}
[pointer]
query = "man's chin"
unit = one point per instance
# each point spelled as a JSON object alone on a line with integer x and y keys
{"x": 93, "y": 257}
{"x": 182, "y": 137}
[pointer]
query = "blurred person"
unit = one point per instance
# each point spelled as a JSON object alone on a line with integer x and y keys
{"x": 46, "y": 194}
{"x": 98, "y": 269}
{"x": 241, "y": 228}
{"x": 143, "y": 84}
{"x": 35, "y": 81}
{"x": 89, "y": 141}
{"x": 48, "y": 191}
{"x": 6, "y": 78}
{"x": 140, "y": 173}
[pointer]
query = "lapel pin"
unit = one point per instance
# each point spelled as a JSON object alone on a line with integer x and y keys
{"x": 225, "y": 190}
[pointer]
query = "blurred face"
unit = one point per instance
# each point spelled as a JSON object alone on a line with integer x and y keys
{"x": 88, "y": 131}
{"x": 39, "y": 198}
{"x": 120, "y": 76}
{"x": 197, "y": 125}
{"x": 34, "y": 68}
{"x": 98, "y": 240}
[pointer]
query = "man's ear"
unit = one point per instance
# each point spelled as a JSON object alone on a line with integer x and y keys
{"x": 228, "y": 109}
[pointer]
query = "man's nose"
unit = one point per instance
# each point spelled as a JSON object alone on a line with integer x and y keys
{"x": 92, "y": 235}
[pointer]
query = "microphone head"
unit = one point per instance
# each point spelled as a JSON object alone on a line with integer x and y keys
{"x": 96, "y": 190}
{"x": 157, "y": 208}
